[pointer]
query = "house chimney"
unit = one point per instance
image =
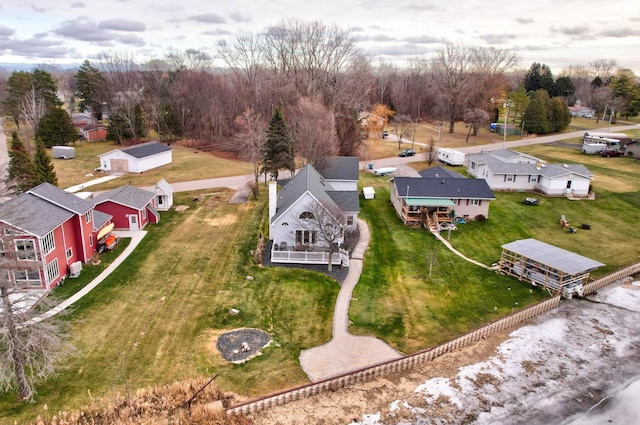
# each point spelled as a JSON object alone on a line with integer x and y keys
{"x": 273, "y": 199}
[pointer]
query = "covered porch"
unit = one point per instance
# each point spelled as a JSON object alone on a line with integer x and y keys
{"x": 427, "y": 211}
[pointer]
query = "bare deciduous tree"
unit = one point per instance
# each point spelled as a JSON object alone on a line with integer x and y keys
{"x": 314, "y": 133}
{"x": 328, "y": 221}
{"x": 475, "y": 119}
{"x": 603, "y": 68}
{"x": 251, "y": 135}
{"x": 431, "y": 152}
{"x": 191, "y": 59}
{"x": 403, "y": 126}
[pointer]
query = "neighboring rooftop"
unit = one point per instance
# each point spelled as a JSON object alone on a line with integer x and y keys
{"x": 34, "y": 214}
{"x": 440, "y": 172}
{"x": 57, "y": 196}
{"x": 144, "y": 149}
{"x": 341, "y": 168}
{"x": 450, "y": 188}
{"x": 129, "y": 196}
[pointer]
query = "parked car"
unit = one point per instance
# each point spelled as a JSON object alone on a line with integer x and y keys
{"x": 611, "y": 152}
{"x": 385, "y": 134}
{"x": 407, "y": 152}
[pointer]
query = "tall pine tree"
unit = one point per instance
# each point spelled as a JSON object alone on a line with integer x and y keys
{"x": 21, "y": 173}
{"x": 44, "y": 165}
{"x": 278, "y": 149}
{"x": 56, "y": 128}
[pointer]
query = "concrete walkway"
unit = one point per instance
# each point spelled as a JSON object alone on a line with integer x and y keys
{"x": 136, "y": 237}
{"x": 346, "y": 352}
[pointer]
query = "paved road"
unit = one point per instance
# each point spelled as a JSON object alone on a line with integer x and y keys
{"x": 399, "y": 162}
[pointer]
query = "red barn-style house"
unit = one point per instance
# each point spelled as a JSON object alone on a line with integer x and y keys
{"x": 45, "y": 230}
{"x": 130, "y": 207}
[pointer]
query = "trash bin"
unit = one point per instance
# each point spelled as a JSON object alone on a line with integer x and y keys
{"x": 371, "y": 165}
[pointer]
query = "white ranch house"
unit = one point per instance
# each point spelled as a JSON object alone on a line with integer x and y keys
{"x": 293, "y": 231}
{"x": 508, "y": 170}
{"x": 137, "y": 158}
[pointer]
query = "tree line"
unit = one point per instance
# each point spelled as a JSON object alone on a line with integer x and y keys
{"x": 319, "y": 81}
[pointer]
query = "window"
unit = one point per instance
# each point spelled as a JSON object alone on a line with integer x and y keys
{"x": 2, "y": 251}
{"x": 52, "y": 271}
{"x": 307, "y": 215}
{"x": 69, "y": 253}
{"x": 509, "y": 177}
{"x": 533, "y": 179}
{"x": 144, "y": 214}
{"x": 474, "y": 202}
{"x": 160, "y": 200}
{"x": 473, "y": 165}
{"x": 25, "y": 249}
{"x": 350, "y": 220}
{"x": 27, "y": 277}
{"x": 90, "y": 240}
{"x": 569, "y": 184}
{"x": 87, "y": 216}
{"x": 306, "y": 237}
{"x": 48, "y": 243}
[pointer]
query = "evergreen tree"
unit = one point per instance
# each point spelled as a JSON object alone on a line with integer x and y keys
{"x": 43, "y": 165}
{"x": 21, "y": 172}
{"x": 536, "y": 117}
{"x": 278, "y": 149}
{"x": 540, "y": 77}
{"x": 90, "y": 84}
{"x": 560, "y": 116}
{"x": 56, "y": 128}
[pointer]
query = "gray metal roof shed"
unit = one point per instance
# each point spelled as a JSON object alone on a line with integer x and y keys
{"x": 553, "y": 256}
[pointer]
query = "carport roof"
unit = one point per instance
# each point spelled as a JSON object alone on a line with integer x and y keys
{"x": 429, "y": 202}
{"x": 552, "y": 256}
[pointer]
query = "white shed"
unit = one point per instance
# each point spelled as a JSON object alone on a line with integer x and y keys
{"x": 164, "y": 196}
{"x": 136, "y": 159}
{"x": 368, "y": 192}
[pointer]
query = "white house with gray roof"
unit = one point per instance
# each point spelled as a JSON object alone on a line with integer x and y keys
{"x": 137, "y": 158}
{"x": 508, "y": 170}
{"x": 293, "y": 210}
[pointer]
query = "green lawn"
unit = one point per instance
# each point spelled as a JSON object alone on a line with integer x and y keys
{"x": 188, "y": 164}
{"x": 155, "y": 319}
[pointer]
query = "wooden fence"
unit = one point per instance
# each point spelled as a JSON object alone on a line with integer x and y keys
{"x": 592, "y": 287}
{"x": 422, "y": 357}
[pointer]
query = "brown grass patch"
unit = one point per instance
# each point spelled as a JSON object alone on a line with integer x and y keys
{"x": 222, "y": 221}
{"x": 613, "y": 184}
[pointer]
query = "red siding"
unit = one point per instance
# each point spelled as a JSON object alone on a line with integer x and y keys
{"x": 120, "y": 214}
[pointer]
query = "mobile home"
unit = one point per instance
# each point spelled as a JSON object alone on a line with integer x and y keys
{"x": 596, "y": 144}
{"x": 450, "y": 156}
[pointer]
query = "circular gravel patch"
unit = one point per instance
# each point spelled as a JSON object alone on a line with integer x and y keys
{"x": 241, "y": 345}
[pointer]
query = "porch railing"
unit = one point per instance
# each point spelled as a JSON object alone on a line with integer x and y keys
{"x": 310, "y": 257}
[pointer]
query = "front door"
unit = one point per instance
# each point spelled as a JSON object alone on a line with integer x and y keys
{"x": 133, "y": 222}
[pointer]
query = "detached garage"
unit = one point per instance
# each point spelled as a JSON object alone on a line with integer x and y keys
{"x": 136, "y": 159}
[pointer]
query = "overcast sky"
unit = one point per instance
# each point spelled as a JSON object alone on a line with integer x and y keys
{"x": 556, "y": 33}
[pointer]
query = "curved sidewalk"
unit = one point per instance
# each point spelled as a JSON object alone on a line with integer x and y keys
{"x": 136, "y": 237}
{"x": 346, "y": 352}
